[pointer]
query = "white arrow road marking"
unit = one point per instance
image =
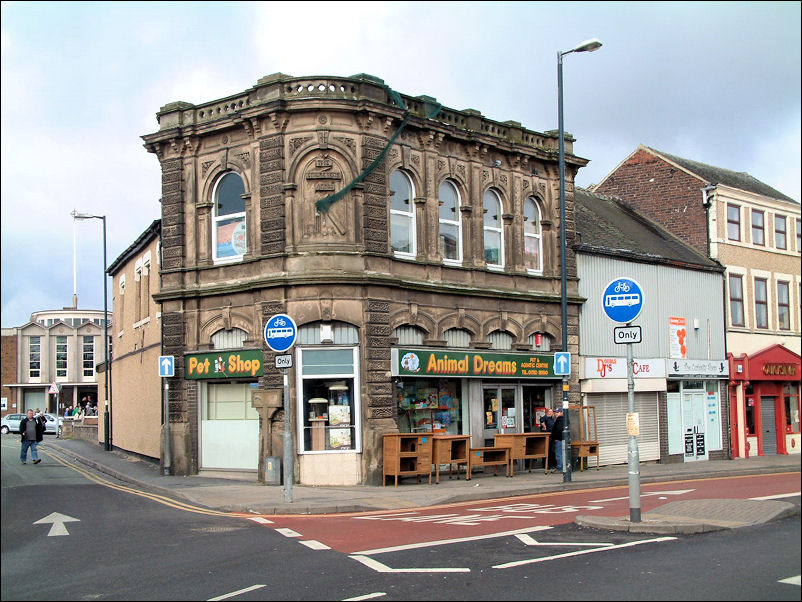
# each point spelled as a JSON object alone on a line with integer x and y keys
{"x": 383, "y": 568}
{"x": 675, "y": 492}
{"x": 58, "y": 521}
{"x": 508, "y": 565}
{"x": 791, "y": 580}
{"x": 531, "y": 541}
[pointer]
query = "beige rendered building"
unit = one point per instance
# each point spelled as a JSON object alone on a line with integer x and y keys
{"x": 414, "y": 246}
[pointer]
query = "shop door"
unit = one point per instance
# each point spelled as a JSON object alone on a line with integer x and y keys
{"x": 769, "y": 426}
{"x": 500, "y": 412}
{"x": 229, "y": 428}
{"x": 694, "y": 425}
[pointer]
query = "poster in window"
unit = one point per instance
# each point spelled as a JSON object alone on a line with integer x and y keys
{"x": 231, "y": 238}
{"x": 339, "y": 415}
{"x": 340, "y": 438}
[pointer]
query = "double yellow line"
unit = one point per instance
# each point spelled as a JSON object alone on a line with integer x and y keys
{"x": 151, "y": 496}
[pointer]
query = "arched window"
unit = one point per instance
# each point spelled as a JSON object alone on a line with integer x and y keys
{"x": 229, "y": 231}
{"x": 402, "y": 215}
{"x": 409, "y": 335}
{"x": 337, "y": 333}
{"x": 229, "y": 339}
{"x": 493, "y": 233}
{"x": 450, "y": 234}
{"x": 500, "y": 340}
{"x": 533, "y": 236}
{"x": 540, "y": 341}
{"x": 457, "y": 337}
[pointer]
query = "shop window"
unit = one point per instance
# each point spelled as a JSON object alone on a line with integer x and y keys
{"x": 402, "y": 215}
{"x": 330, "y": 395}
{"x": 533, "y": 239}
{"x": 540, "y": 341}
{"x": 450, "y": 227}
{"x": 456, "y": 337}
{"x": 758, "y": 234}
{"x": 500, "y": 340}
{"x": 749, "y": 394}
{"x": 736, "y": 300}
{"x": 409, "y": 335}
{"x": 229, "y": 230}
{"x": 428, "y": 405}
{"x": 791, "y": 401}
{"x": 492, "y": 230}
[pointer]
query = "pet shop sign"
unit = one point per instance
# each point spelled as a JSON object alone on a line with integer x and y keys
{"x": 224, "y": 364}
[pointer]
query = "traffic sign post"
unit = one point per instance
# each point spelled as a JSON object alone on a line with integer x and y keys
{"x": 280, "y": 335}
{"x": 622, "y": 301}
{"x": 166, "y": 370}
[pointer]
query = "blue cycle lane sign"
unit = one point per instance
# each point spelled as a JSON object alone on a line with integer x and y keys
{"x": 280, "y": 333}
{"x": 622, "y": 300}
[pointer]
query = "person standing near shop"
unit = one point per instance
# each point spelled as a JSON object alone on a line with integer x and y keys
{"x": 32, "y": 431}
{"x": 557, "y": 439}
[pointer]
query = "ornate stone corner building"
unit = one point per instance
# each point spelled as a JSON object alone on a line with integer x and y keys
{"x": 427, "y": 297}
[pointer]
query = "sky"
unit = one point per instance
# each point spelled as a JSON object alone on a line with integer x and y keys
{"x": 715, "y": 82}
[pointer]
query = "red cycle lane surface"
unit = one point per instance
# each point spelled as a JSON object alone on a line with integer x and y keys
{"x": 366, "y": 531}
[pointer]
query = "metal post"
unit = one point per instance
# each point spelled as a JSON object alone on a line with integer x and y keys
{"x": 566, "y": 451}
{"x": 107, "y": 380}
{"x": 633, "y": 459}
{"x": 166, "y": 411}
{"x": 289, "y": 475}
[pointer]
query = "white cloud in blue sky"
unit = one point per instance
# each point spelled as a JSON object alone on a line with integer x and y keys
{"x": 716, "y": 82}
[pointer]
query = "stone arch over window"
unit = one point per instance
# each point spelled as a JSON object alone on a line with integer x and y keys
{"x": 226, "y": 321}
{"x": 413, "y": 316}
{"x": 331, "y": 332}
{"x": 533, "y": 235}
{"x": 409, "y": 335}
{"x": 546, "y": 326}
{"x": 540, "y": 341}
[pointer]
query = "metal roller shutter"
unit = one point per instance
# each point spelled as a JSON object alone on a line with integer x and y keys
{"x": 611, "y": 414}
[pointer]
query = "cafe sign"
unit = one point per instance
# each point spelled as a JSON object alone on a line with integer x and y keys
{"x": 469, "y": 364}
{"x": 224, "y": 364}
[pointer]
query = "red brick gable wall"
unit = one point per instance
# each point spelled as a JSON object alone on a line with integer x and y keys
{"x": 664, "y": 193}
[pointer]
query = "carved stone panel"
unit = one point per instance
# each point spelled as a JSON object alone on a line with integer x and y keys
{"x": 325, "y": 173}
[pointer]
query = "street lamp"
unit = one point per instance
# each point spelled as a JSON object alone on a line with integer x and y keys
{"x": 586, "y": 46}
{"x": 107, "y": 412}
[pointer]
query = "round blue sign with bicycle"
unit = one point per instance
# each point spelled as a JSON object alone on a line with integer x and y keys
{"x": 622, "y": 300}
{"x": 280, "y": 332}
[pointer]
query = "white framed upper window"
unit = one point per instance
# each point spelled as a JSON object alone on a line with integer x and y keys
{"x": 229, "y": 229}
{"x": 450, "y": 226}
{"x": 493, "y": 230}
{"x": 533, "y": 236}
{"x": 780, "y": 232}
{"x": 402, "y": 215}
{"x": 758, "y": 228}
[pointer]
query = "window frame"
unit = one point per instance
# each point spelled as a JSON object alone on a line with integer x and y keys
{"x": 737, "y": 301}
{"x": 62, "y": 356}
{"x": 783, "y": 305}
{"x": 761, "y": 304}
{"x": 457, "y": 223}
{"x": 536, "y": 236}
{"x": 780, "y": 233}
{"x": 496, "y": 231}
{"x": 35, "y": 356}
{"x": 217, "y": 219}
{"x": 733, "y": 222}
{"x": 408, "y": 216}
{"x": 758, "y": 231}
{"x": 88, "y": 355}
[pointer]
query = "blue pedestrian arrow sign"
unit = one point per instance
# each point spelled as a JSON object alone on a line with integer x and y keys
{"x": 562, "y": 363}
{"x": 622, "y": 300}
{"x": 280, "y": 333}
{"x": 166, "y": 366}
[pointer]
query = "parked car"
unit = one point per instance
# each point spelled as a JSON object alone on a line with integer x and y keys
{"x": 10, "y": 424}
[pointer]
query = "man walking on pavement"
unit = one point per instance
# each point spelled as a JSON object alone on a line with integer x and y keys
{"x": 557, "y": 439}
{"x": 32, "y": 431}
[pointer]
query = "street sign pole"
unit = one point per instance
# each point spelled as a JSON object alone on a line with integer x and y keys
{"x": 633, "y": 458}
{"x": 289, "y": 472}
{"x": 166, "y": 410}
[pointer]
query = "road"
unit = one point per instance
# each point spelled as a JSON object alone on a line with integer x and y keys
{"x": 117, "y": 543}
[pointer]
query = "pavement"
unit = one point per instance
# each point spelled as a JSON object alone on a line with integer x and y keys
{"x": 240, "y": 492}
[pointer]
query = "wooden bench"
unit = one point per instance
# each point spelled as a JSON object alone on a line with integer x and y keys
{"x": 489, "y": 456}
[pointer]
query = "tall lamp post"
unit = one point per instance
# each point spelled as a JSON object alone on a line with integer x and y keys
{"x": 107, "y": 412}
{"x": 586, "y": 46}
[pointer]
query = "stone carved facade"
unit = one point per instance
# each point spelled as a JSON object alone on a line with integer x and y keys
{"x": 308, "y": 138}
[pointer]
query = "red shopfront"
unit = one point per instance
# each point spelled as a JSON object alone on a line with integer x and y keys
{"x": 764, "y": 403}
